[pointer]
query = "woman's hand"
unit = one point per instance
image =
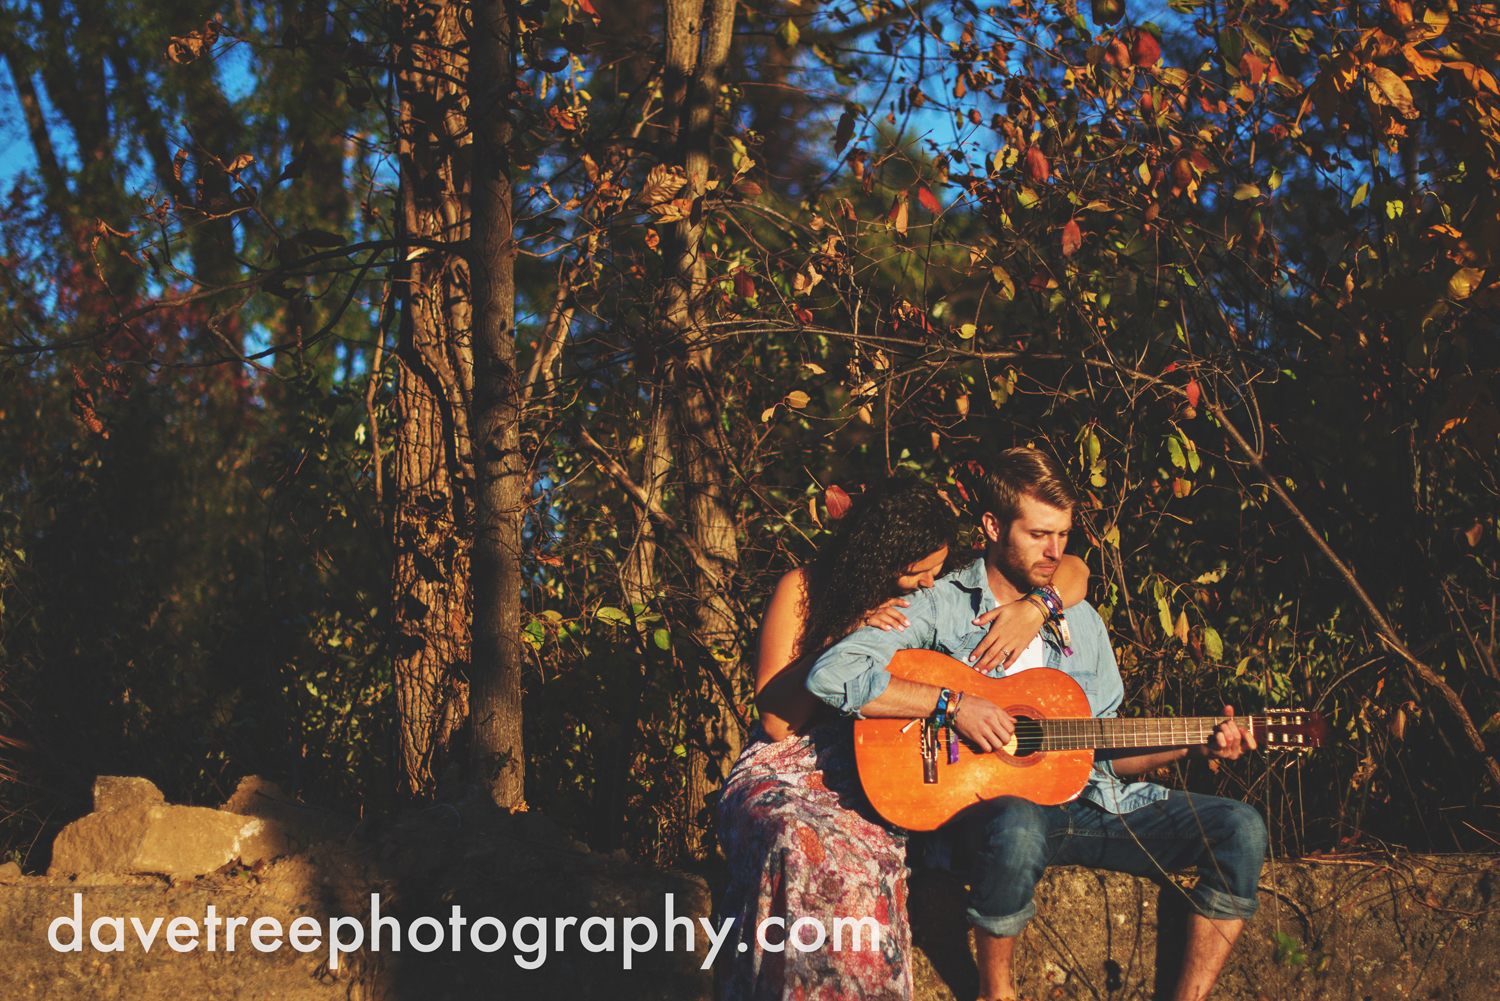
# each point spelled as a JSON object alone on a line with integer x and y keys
{"x": 887, "y": 617}
{"x": 1012, "y": 628}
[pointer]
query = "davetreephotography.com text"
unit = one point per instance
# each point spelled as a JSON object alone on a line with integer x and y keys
{"x": 530, "y": 939}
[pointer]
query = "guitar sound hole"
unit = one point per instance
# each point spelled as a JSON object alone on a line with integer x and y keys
{"x": 1028, "y": 739}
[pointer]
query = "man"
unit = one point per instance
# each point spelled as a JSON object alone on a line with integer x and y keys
{"x": 1028, "y": 506}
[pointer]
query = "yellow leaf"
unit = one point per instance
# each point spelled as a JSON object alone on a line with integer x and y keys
{"x": 767, "y": 414}
{"x": 797, "y": 398}
{"x": 1386, "y": 88}
{"x": 1181, "y": 631}
{"x": 1112, "y": 536}
{"x": 1421, "y": 64}
{"x": 1003, "y": 279}
{"x": 1464, "y": 282}
{"x": 967, "y": 331}
{"x": 813, "y": 367}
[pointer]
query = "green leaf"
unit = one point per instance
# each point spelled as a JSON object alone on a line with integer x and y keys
{"x": 612, "y": 615}
{"x": 1232, "y": 46}
{"x": 1245, "y": 192}
{"x": 1212, "y": 645}
{"x": 1165, "y": 614}
{"x": 662, "y": 639}
{"x": 788, "y": 34}
{"x": 1174, "y": 449}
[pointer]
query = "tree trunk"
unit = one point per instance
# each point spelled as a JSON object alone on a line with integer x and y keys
{"x": 434, "y": 383}
{"x": 501, "y": 488}
{"x": 691, "y": 90}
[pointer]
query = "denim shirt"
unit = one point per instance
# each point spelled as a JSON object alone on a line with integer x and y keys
{"x": 852, "y": 672}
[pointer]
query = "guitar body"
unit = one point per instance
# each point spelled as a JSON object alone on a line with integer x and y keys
{"x": 890, "y": 761}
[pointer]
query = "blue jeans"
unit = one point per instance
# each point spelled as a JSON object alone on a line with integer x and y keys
{"x": 1014, "y": 840}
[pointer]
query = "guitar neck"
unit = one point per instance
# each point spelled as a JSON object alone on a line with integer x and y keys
{"x": 1080, "y": 734}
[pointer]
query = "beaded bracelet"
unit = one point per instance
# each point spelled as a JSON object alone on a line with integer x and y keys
{"x": 1051, "y": 599}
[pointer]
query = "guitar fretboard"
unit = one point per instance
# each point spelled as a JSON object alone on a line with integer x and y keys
{"x": 1079, "y": 734}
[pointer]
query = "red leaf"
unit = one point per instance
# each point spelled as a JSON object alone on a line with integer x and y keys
{"x": 928, "y": 199}
{"x": 1036, "y": 167}
{"x": 1252, "y": 66}
{"x": 1145, "y": 50}
{"x": 1193, "y": 393}
{"x": 1170, "y": 368}
{"x": 838, "y": 502}
{"x": 1072, "y": 238}
{"x": 803, "y": 315}
{"x": 743, "y": 286}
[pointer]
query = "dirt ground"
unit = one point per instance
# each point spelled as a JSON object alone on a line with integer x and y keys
{"x": 1368, "y": 928}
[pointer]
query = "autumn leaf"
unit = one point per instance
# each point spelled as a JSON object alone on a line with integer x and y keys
{"x": 673, "y": 211}
{"x": 928, "y": 199}
{"x": 744, "y": 287}
{"x": 1193, "y": 393}
{"x": 804, "y": 280}
{"x": 1464, "y": 282}
{"x": 1072, "y": 238}
{"x": 1035, "y": 166}
{"x": 185, "y": 48}
{"x": 661, "y": 184}
{"x": 1145, "y": 50}
{"x": 1478, "y": 78}
{"x": 899, "y": 213}
{"x": 1420, "y": 63}
{"x": 837, "y": 501}
{"x": 1003, "y": 279}
{"x": 797, "y": 399}
{"x": 1253, "y": 67}
{"x": 239, "y": 163}
{"x": 1386, "y": 88}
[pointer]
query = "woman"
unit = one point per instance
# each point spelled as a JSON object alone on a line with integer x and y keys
{"x": 794, "y": 824}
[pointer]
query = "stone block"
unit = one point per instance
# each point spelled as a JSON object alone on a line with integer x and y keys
{"x": 116, "y": 792}
{"x": 155, "y": 838}
{"x": 289, "y": 825}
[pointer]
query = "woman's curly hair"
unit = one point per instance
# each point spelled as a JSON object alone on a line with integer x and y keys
{"x": 890, "y": 526}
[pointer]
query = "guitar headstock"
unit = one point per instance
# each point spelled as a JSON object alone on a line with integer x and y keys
{"x": 1292, "y": 730}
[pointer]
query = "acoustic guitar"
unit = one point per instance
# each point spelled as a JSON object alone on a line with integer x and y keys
{"x": 917, "y": 780}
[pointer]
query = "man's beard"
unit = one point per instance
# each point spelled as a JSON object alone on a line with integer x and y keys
{"x": 1023, "y": 576}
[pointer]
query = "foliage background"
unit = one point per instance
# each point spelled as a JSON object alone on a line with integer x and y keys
{"x": 1232, "y": 263}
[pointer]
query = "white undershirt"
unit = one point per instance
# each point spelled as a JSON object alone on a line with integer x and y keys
{"x": 1035, "y": 655}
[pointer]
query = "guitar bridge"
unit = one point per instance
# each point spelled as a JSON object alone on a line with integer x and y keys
{"x": 929, "y": 744}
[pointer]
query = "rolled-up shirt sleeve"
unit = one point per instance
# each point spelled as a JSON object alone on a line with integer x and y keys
{"x": 851, "y": 673}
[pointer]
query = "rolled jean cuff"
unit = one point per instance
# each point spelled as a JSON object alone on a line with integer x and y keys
{"x": 1216, "y": 905}
{"x": 1008, "y": 926}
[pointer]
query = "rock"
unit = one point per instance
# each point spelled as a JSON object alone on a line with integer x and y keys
{"x": 116, "y": 792}
{"x": 289, "y": 824}
{"x": 155, "y": 838}
{"x": 9, "y": 872}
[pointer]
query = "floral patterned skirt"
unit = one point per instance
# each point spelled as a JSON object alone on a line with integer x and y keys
{"x": 803, "y": 842}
